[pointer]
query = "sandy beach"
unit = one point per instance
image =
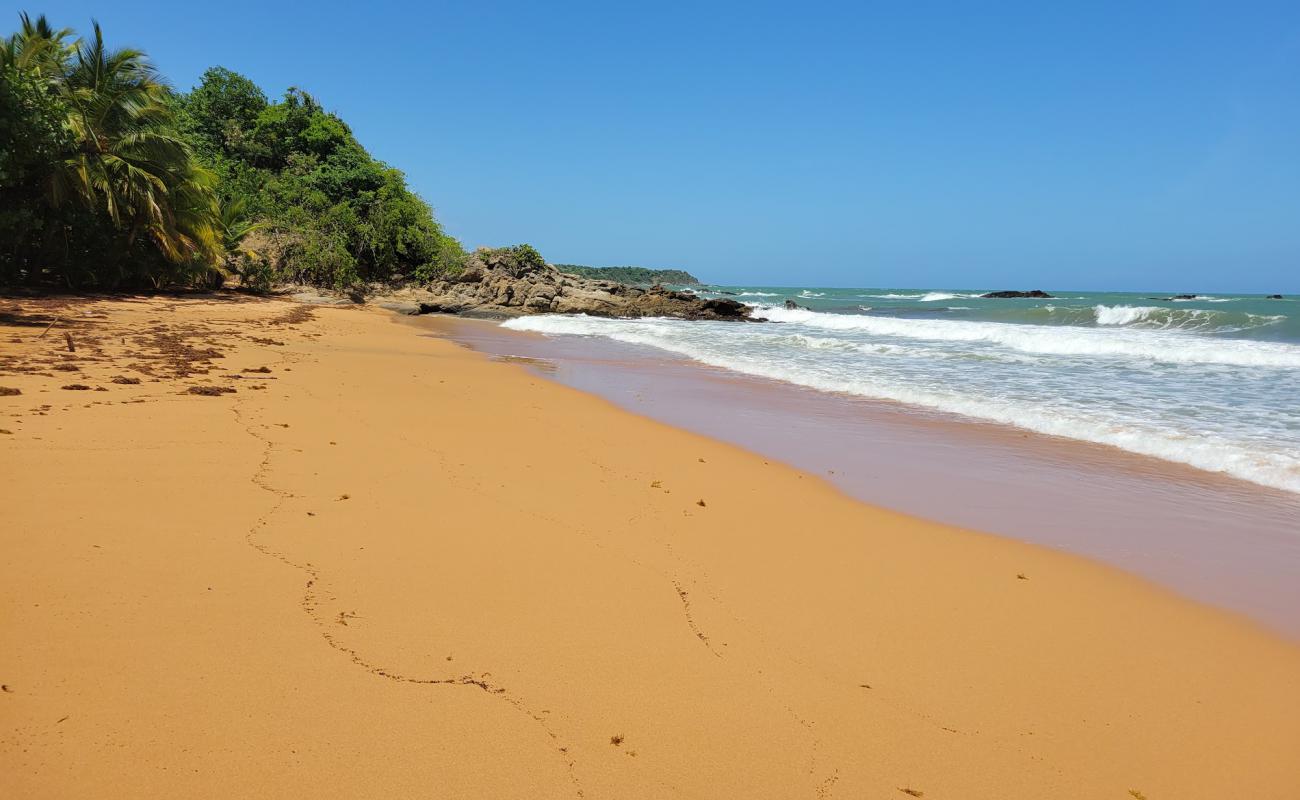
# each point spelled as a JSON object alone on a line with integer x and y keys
{"x": 388, "y": 566}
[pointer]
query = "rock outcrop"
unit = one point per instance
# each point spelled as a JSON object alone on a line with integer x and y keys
{"x": 495, "y": 286}
{"x": 1037, "y": 293}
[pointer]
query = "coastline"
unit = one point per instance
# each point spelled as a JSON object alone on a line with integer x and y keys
{"x": 1210, "y": 537}
{"x": 400, "y": 565}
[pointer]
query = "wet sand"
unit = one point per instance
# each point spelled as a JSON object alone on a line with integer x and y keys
{"x": 1212, "y": 538}
{"x": 402, "y": 569}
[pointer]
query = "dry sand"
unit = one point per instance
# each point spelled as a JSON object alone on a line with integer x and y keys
{"x": 400, "y": 569}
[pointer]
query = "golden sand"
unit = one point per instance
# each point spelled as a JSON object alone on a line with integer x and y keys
{"x": 391, "y": 567}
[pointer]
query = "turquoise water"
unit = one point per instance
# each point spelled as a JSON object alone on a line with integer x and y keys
{"x": 1212, "y": 382}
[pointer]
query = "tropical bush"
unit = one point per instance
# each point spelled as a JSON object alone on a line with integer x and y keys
{"x": 108, "y": 177}
{"x": 332, "y": 214}
{"x": 517, "y": 260}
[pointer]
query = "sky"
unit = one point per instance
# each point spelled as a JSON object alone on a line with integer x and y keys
{"x": 1140, "y": 146}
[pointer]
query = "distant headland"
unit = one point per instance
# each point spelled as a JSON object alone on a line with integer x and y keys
{"x": 632, "y": 275}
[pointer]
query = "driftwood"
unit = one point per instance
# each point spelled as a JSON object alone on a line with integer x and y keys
{"x": 72, "y": 348}
{"x": 54, "y": 322}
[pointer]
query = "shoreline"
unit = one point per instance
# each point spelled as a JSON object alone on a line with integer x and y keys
{"x": 401, "y": 565}
{"x": 1210, "y": 537}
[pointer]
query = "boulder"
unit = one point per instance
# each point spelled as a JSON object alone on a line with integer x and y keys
{"x": 1037, "y": 293}
{"x": 498, "y": 286}
{"x": 791, "y": 305}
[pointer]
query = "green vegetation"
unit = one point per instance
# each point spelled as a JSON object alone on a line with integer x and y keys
{"x": 109, "y": 178}
{"x": 517, "y": 260}
{"x": 632, "y": 275}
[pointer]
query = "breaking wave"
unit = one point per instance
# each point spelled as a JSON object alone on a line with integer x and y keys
{"x": 1015, "y": 374}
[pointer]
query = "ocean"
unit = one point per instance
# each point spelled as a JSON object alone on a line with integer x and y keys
{"x": 1212, "y": 382}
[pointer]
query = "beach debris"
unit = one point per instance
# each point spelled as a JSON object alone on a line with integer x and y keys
{"x": 616, "y": 739}
{"x": 1022, "y": 576}
{"x": 1137, "y": 795}
{"x": 345, "y": 496}
{"x": 65, "y": 367}
{"x": 67, "y": 337}
{"x": 864, "y": 686}
{"x": 76, "y": 387}
{"x": 700, "y": 503}
{"x": 125, "y": 380}
{"x": 701, "y": 461}
{"x": 258, "y": 369}
{"x": 5, "y": 688}
{"x": 656, "y": 484}
{"x": 910, "y": 791}
{"x": 6, "y": 431}
{"x": 9, "y": 391}
{"x": 209, "y": 391}
{"x": 53, "y": 322}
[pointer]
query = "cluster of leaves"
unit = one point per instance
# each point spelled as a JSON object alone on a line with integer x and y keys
{"x": 516, "y": 260}
{"x": 109, "y": 178}
{"x": 632, "y": 275}
{"x": 331, "y": 213}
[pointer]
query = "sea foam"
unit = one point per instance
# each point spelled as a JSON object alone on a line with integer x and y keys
{"x": 1063, "y": 340}
{"x": 1183, "y": 397}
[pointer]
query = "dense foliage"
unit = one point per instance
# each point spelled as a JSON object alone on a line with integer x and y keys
{"x": 331, "y": 214}
{"x": 632, "y": 275}
{"x": 110, "y": 178}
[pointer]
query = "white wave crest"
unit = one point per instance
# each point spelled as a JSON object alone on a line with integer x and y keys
{"x": 1123, "y": 315}
{"x": 1202, "y": 320}
{"x": 1060, "y": 340}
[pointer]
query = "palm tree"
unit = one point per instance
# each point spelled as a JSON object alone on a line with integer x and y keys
{"x": 38, "y": 48}
{"x": 127, "y": 159}
{"x": 235, "y": 225}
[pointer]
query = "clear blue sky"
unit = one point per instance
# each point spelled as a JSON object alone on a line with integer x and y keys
{"x": 1141, "y": 145}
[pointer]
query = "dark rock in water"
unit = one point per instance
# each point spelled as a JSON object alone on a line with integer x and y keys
{"x": 1274, "y": 297}
{"x": 791, "y": 305}
{"x": 1180, "y": 297}
{"x": 493, "y": 287}
{"x": 1038, "y": 293}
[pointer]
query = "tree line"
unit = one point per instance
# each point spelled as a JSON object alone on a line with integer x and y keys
{"x": 632, "y": 275}
{"x": 110, "y": 178}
